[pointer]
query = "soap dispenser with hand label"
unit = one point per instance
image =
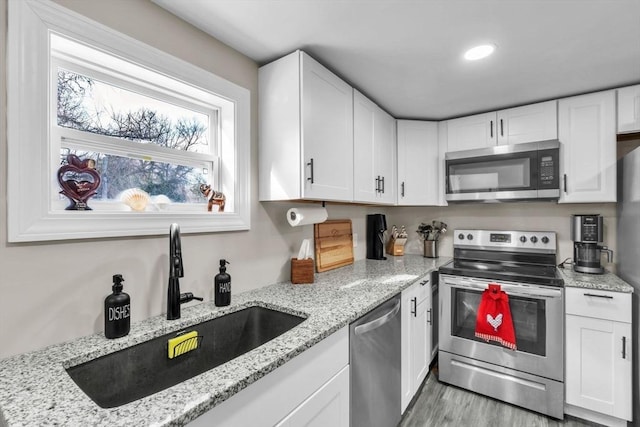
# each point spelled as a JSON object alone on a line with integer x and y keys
{"x": 222, "y": 286}
{"x": 117, "y": 311}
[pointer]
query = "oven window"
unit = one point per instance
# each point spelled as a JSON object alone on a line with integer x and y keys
{"x": 490, "y": 175}
{"x": 529, "y": 320}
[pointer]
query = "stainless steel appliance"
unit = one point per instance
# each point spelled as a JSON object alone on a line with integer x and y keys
{"x": 523, "y": 264}
{"x": 374, "y": 357}
{"x": 628, "y": 249}
{"x": 504, "y": 173}
{"x": 586, "y": 233}
{"x": 376, "y": 226}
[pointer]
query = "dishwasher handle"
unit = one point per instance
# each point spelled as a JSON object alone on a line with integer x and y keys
{"x": 369, "y": 326}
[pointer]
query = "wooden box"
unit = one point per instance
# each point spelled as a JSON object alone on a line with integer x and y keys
{"x": 301, "y": 271}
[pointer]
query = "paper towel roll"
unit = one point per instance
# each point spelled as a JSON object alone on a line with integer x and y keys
{"x": 304, "y": 216}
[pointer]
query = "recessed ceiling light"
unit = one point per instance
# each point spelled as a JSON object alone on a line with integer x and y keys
{"x": 479, "y": 52}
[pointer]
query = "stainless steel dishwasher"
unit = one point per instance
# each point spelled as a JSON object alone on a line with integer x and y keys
{"x": 374, "y": 356}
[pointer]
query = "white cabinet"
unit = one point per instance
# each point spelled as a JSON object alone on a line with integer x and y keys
{"x": 587, "y": 132}
{"x": 471, "y": 132}
{"x": 329, "y": 406}
{"x": 305, "y": 131}
{"x": 529, "y": 123}
{"x": 417, "y": 320}
{"x": 420, "y": 166}
{"x": 374, "y": 148}
{"x": 598, "y": 356}
{"x": 314, "y": 384}
{"x": 629, "y": 109}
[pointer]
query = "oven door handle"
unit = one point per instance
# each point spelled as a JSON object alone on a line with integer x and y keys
{"x": 511, "y": 290}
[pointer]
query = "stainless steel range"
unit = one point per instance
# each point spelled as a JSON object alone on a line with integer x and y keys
{"x": 523, "y": 264}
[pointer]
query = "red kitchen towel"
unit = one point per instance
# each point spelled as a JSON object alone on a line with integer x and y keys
{"x": 494, "y": 321}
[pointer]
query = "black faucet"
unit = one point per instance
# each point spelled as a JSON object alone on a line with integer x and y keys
{"x": 176, "y": 270}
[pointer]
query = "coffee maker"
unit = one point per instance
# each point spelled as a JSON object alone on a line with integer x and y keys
{"x": 586, "y": 233}
{"x": 376, "y": 226}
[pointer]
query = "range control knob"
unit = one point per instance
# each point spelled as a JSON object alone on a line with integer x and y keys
{"x": 533, "y": 239}
{"x": 545, "y": 239}
{"x": 461, "y": 236}
{"x": 470, "y": 236}
{"x": 523, "y": 239}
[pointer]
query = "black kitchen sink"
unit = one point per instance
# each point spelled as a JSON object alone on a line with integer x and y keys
{"x": 144, "y": 369}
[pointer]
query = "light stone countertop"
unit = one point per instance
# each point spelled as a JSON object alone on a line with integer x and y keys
{"x": 604, "y": 282}
{"x": 35, "y": 389}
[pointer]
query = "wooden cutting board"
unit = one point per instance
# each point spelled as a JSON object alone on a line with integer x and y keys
{"x": 333, "y": 244}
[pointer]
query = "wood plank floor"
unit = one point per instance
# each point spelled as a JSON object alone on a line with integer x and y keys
{"x": 442, "y": 405}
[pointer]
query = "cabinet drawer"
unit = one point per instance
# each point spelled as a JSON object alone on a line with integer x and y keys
{"x": 598, "y": 304}
{"x": 423, "y": 286}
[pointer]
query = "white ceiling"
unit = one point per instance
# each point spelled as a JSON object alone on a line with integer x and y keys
{"x": 406, "y": 55}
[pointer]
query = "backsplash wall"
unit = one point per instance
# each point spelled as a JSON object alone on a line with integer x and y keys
{"x": 540, "y": 216}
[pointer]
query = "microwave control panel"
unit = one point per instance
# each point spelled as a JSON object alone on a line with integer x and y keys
{"x": 548, "y": 168}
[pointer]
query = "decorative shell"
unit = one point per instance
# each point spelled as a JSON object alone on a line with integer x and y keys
{"x": 135, "y": 198}
{"x": 160, "y": 201}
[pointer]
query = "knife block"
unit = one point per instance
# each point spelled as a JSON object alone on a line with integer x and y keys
{"x": 302, "y": 271}
{"x": 395, "y": 247}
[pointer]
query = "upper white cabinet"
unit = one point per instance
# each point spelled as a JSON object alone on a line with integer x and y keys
{"x": 471, "y": 132}
{"x": 587, "y": 132}
{"x": 374, "y": 148}
{"x": 417, "y": 321}
{"x": 305, "y": 131}
{"x": 420, "y": 169}
{"x": 529, "y": 123}
{"x": 629, "y": 109}
{"x": 598, "y": 356}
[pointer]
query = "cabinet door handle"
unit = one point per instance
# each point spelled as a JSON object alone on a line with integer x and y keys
{"x": 501, "y": 128}
{"x": 429, "y": 320}
{"x": 382, "y": 180}
{"x": 491, "y": 129}
{"x": 378, "y": 184}
{"x": 414, "y": 310}
{"x": 310, "y": 164}
{"x": 598, "y": 296}
{"x": 424, "y": 282}
{"x": 402, "y": 189}
{"x": 624, "y": 347}
{"x": 564, "y": 178}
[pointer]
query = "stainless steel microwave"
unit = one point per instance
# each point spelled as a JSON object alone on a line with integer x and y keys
{"x": 527, "y": 171}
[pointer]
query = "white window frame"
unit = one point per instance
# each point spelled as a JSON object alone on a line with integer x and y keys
{"x": 30, "y": 215}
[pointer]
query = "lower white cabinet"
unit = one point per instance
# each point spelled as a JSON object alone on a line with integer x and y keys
{"x": 417, "y": 319}
{"x": 329, "y": 406}
{"x": 310, "y": 390}
{"x": 598, "y": 356}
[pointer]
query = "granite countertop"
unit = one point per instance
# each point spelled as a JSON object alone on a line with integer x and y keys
{"x": 36, "y": 390}
{"x": 604, "y": 282}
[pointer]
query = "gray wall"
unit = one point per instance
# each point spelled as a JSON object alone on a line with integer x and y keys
{"x": 52, "y": 292}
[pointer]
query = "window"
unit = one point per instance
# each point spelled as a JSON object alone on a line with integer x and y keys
{"x": 144, "y": 133}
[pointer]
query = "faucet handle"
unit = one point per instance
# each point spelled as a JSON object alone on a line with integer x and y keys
{"x": 188, "y": 296}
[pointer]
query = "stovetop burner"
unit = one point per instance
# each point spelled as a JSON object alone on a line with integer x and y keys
{"x": 538, "y": 274}
{"x": 514, "y": 256}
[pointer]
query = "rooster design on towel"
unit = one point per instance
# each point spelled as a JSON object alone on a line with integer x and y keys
{"x": 495, "y": 322}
